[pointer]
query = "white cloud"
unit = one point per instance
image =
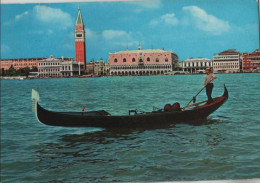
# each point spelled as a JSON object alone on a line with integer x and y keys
{"x": 93, "y": 35}
{"x": 168, "y": 19}
{"x": 53, "y": 16}
{"x": 114, "y": 37}
{"x": 205, "y": 21}
{"x": 20, "y": 16}
{"x": 140, "y": 6}
{"x": 154, "y": 22}
{"x": 16, "y": 18}
{"x": 121, "y": 38}
{"x": 114, "y": 34}
{"x": 89, "y": 33}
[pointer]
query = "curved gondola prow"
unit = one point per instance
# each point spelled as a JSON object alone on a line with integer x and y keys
{"x": 35, "y": 99}
{"x": 225, "y": 92}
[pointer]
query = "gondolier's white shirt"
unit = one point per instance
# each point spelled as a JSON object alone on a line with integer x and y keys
{"x": 208, "y": 78}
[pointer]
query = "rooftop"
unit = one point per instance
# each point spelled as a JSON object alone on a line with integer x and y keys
{"x": 196, "y": 59}
{"x": 257, "y": 51}
{"x": 142, "y": 51}
{"x": 229, "y": 52}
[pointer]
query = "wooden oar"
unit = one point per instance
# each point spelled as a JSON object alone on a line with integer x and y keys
{"x": 195, "y": 104}
{"x": 194, "y": 98}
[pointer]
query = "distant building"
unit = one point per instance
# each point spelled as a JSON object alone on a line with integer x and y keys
{"x": 196, "y": 65}
{"x": 71, "y": 68}
{"x": 178, "y": 66}
{"x": 251, "y": 61}
{"x": 49, "y": 67}
{"x": 97, "y": 68}
{"x": 228, "y": 61}
{"x": 19, "y": 63}
{"x": 142, "y": 62}
{"x": 80, "y": 48}
{"x": 101, "y": 68}
{"x": 90, "y": 68}
{"x": 106, "y": 69}
{"x": 59, "y": 67}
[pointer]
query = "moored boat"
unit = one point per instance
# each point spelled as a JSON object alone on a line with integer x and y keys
{"x": 169, "y": 115}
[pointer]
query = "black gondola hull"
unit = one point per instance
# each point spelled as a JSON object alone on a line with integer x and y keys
{"x": 151, "y": 119}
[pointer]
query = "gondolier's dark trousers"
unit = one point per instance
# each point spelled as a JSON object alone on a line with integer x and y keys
{"x": 209, "y": 88}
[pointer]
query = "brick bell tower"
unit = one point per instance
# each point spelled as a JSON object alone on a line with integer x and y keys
{"x": 80, "y": 51}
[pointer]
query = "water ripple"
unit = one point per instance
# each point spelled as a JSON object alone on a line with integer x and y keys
{"x": 224, "y": 146}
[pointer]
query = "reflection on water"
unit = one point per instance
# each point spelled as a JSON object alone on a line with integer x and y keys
{"x": 106, "y": 136}
{"x": 117, "y": 154}
{"x": 123, "y": 150}
{"x": 101, "y": 137}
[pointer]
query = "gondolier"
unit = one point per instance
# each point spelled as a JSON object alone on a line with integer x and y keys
{"x": 208, "y": 83}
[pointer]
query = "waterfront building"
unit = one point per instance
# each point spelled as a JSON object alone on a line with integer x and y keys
{"x": 228, "y": 61}
{"x": 71, "y": 68}
{"x": 49, "y": 67}
{"x": 106, "y": 69}
{"x": 196, "y": 65}
{"x": 90, "y": 68}
{"x": 251, "y": 61}
{"x": 97, "y": 68}
{"x": 142, "y": 62}
{"x": 178, "y": 66}
{"x": 19, "y": 63}
{"x": 80, "y": 52}
{"x": 59, "y": 67}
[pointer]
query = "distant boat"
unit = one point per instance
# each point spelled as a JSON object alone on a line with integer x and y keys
{"x": 169, "y": 115}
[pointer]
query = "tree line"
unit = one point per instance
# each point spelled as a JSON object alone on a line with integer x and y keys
{"x": 19, "y": 72}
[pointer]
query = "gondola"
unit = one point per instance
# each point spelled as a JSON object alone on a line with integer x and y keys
{"x": 102, "y": 119}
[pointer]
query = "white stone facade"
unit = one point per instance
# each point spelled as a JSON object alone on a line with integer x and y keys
{"x": 49, "y": 67}
{"x": 71, "y": 68}
{"x": 196, "y": 65}
{"x": 228, "y": 61}
{"x": 59, "y": 67}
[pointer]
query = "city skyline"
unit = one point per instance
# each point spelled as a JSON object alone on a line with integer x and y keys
{"x": 189, "y": 29}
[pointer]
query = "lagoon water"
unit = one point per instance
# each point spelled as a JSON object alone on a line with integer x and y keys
{"x": 227, "y": 146}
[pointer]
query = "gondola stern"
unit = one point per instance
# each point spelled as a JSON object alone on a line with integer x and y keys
{"x": 225, "y": 92}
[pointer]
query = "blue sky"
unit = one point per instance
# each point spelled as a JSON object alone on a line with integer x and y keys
{"x": 189, "y": 28}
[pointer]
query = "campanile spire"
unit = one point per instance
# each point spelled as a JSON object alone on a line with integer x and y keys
{"x": 79, "y": 20}
{"x": 80, "y": 51}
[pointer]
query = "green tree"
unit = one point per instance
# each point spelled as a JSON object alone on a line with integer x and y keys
{"x": 3, "y": 73}
{"x": 34, "y": 69}
{"x": 11, "y": 71}
{"x": 24, "y": 71}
